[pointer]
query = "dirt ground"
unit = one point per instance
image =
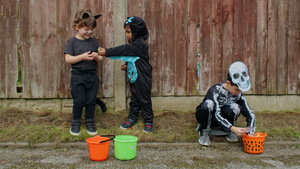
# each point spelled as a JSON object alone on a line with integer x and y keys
{"x": 280, "y": 155}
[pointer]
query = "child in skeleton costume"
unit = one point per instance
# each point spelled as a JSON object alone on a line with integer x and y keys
{"x": 223, "y": 104}
{"x": 81, "y": 53}
{"x": 140, "y": 88}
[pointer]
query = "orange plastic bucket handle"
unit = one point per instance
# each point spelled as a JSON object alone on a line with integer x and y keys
{"x": 113, "y": 136}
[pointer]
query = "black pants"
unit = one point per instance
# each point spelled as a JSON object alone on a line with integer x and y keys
{"x": 205, "y": 115}
{"x": 140, "y": 100}
{"x": 84, "y": 91}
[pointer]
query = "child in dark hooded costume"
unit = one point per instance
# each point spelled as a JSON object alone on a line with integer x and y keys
{"x": 137, "y": 34}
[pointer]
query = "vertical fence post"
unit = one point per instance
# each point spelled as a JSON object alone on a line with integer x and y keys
{"x": 119, "y": 39}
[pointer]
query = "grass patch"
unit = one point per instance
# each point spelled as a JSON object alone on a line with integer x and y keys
{"x": 47, "y": 126}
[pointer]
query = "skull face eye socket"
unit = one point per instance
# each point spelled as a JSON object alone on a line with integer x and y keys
{"x": 236, "y": 75}
{"x": 245, "y": 74}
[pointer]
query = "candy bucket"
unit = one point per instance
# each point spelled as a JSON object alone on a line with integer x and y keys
{"x": 99, "y": 147}
{"x": 254, "y": 144}
{"x": 125, "y": 147}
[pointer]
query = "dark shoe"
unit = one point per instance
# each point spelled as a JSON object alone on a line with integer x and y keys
{"x": 204, "y": 138}
{"x": 90, "y": 127}
{"x": 101, "y": 104}
{"x": 232, "y": 137}
{"x": 129, "y": 123}
{"x": 75, "y": 127}
{"x": 148, "y": 128}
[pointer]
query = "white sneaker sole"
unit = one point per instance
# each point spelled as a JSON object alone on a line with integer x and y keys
{"x": 123, "y": 128}
{"x": 92, "y": 133}
{"x": 74, "y": 134}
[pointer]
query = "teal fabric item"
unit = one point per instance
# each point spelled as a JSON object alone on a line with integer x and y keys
{"x": 131, "y": 69}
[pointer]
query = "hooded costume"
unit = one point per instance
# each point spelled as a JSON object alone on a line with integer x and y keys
{"x": 140, "y": 88}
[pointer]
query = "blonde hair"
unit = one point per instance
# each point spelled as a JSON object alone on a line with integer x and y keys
{"x": 87, "y": 21}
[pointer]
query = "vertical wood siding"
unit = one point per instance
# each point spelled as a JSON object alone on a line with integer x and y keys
{"x": 263, "y": 34}
{"x": 8, "y": 48}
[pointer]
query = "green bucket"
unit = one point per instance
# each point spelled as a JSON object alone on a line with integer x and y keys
{"x": 125, "y": 147}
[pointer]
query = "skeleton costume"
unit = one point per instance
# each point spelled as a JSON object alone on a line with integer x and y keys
{"x": 221, "y": 108}
{"x": 140, "y": 88}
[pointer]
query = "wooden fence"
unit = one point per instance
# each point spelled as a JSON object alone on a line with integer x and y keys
{"x": 264, "y": 34}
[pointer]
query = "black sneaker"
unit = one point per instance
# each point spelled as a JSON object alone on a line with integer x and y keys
{"x": 101, "y": 104}
{"x": 148, "y": 128}
{"x": 75, "y": 127}
{"x": 129, "y": 123}
{"x": 90, "y": 127}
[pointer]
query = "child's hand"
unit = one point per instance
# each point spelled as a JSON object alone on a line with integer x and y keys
{"x": 97, "y": 57}
{"x": 101, "y": 51}
{"x": 238, "y": 131}
{"x": 124, "y": 67}
{"x": 87, "y": 56}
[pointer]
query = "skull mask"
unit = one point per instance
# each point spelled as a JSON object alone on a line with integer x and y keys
{"x": 239, "y": 75}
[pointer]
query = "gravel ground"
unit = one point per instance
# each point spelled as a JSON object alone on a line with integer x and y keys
{"x": 152, "y": 155}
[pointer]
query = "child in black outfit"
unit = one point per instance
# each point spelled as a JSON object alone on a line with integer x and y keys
{"x": 137, "y": 34}
{"x": 81, "y": 53}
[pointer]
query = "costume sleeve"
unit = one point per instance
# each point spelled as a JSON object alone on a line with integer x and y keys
{"x": 246, "y": 111}
{"x": 131, "y": 49}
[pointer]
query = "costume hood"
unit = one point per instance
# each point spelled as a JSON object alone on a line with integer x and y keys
{"x": 138, "y": 27}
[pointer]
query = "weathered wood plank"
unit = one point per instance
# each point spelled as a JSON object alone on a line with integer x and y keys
{"x": 282, "y": 54}
{"x": 107, "y": 34}
{"x": 272, "y": 48}
{"x": 168, "y": 53}
{"x": 294, "y": 47}
{"x": 49, "y": 54}
{"x": 228, "y": 36}
{"x": 24, "y": 46}
{"x": 239, "y": 30}
{"x": 205, "y": 47}
{"x": 8, "y": 48}
{"x": 63, "y": 72}
{"x": 250, "y": 41}
{"x": 217, "y": 33}
{"x": 180, "y": 47}
{"x": 192, "y": 47}
{"x": 155, "y": 47}
{"x": 262, "y": 48}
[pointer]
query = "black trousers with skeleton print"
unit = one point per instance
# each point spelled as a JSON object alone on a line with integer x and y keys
{"x": 208, "y": 117}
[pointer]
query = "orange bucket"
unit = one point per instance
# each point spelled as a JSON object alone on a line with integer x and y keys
{"x": 254, "y": 144}
{"x": 99, "y": 147}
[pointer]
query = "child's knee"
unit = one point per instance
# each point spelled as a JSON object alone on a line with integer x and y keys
{"x": 206, "y": 106}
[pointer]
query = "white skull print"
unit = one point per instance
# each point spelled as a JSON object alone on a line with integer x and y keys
{"x": 239, "y": 75}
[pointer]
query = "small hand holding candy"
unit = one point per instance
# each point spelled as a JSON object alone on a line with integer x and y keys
{"x": 87, "y": 56}
{"x": 97, "y": 57}
{"x": 124, "y": 67}
{"x": 101, "y": 51}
